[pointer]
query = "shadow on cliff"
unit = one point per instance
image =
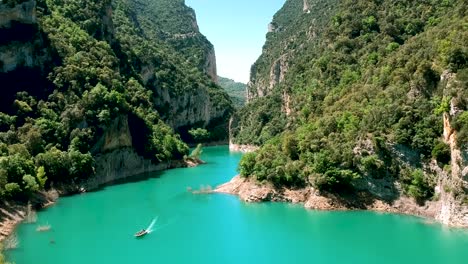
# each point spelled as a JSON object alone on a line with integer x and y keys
{"x": 134, "y": 179}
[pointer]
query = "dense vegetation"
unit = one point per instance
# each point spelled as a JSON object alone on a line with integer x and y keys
{"x": 235, "y": 90}
{"x": 364, "y": 84}
{"x": 50, "y": 135}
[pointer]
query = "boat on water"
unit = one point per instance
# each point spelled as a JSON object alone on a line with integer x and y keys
{"x": 141, "y": 233}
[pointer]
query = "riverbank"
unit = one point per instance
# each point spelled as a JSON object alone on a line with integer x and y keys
{"x": 251, "y": 191}
{"x": 10, "y": 216}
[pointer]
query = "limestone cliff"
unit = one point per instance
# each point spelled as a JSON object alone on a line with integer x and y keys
{"x": 117, "y": 157}
{"x": 24, "y": 12}
{"x": 453, "y": 187}
{"x": 175, "y": 25}
{"x": 210, "y": 65}
{"x": 22, "y": 52}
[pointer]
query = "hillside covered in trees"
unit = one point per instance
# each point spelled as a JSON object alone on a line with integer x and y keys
{"x": 82, "y": 79}
{"x": 356, "y": 95}
{"x": 236, "y": 90}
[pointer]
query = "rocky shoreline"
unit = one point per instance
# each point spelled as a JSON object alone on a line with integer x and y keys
{"x": 250, "y": 190}
{"x": 11, "y": 215}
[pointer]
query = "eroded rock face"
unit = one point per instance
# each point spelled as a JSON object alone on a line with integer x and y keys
{"x": 24, "y": 13}
{"x": 260, "y": 86}
{"x": 210, "y": 65}
{"x": 192, "y": 107}
{"x": 116, "y": 156}
{"x": 121, "y": 164}
{"x": 454, "y": 209}
{"x": 17, "y": 33}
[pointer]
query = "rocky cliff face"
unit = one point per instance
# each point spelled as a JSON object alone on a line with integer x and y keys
{"x": 210, "y": 65}
{"x": 195, "y": 107}
{"x": 22, "y": 52}
{"x": 281, "y": 45}
{"x": 17, "y": 50}
{"x": 178, "y": 28}
{"x": 453, "y": 187}
{"x": 117, "y": 158}
{"x": 24, "y": 12}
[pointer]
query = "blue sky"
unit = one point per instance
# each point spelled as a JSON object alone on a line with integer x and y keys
{"x": 237, "y": 29}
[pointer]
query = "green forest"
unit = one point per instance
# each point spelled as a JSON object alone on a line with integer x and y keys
{"x": 235, "y": 90}
{"x": 96, "y": 52}
{"x": 365, "y": 80}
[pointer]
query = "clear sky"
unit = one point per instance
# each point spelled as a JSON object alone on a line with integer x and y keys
{"x": 237, "y": 29}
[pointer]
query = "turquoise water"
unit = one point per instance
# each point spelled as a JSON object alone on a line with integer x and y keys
{"x": 98, "y": 227}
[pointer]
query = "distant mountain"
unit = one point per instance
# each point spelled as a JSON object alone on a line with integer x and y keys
{"x": 236, "y": 90}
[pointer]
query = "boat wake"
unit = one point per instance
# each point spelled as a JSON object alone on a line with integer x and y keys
{"x": 149, "y": 229}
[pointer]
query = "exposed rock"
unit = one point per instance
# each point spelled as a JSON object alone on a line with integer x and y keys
{"x": 272, "y": 27}
{"x": 15, "y": 55}
{"x": 23, "y": 13}
{"x": 10, "y": 216}
{"x": 286, "y": 107}
{"x": 242, "y": 148}
{"x": 454, "y": 210}
{"x": 278, "y": 71}
{"x": 261, "y": 87}
{"x": 17, "y": 49}
{"x": 188, "y": 108}
{"x": 210, "y": 65}
{"x": 306, "y": 7}
{"x": 250, "y": 190}
{"x": 121, "y": 164}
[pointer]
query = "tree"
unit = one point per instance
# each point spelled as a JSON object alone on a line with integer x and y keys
{"x": 196, "y": 153}
{"x": 247, "y": 164}
{"x": 30, "y": 183}
{"x": 41, "y": 176}
{"x": 12, "y": 189}
{"x": 199, "y": 134}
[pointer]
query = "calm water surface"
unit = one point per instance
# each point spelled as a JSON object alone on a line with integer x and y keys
{"x": 98, "y": 228}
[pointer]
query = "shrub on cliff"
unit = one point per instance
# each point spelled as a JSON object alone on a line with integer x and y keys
{"x": 416, "y": 185}
{"x": 247, "y": 164}
{"x": 441, "y": 152}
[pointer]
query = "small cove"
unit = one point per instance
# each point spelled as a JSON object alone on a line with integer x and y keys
{"x": 98, "y": 227}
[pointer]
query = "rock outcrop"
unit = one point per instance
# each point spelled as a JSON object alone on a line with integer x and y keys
{"x": 10, "y": 216}
{"x": 210, "y": 65}
{"x": 16, "y": 50}
{"x": 250, "y": 190}
{"x": 454, "y": 209}
{"x": 194, "y": 106}
{"x": 242, "y": 148}
{"x": 24, "y": 12}
{"x": 117, "y": 159}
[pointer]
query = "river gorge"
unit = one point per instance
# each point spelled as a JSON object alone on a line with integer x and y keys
{"x": 98, "y": 227}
